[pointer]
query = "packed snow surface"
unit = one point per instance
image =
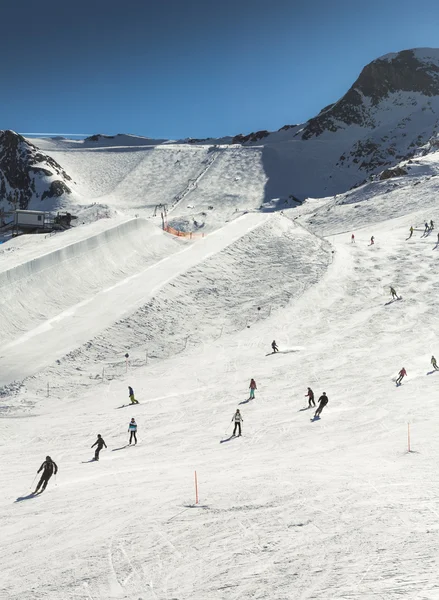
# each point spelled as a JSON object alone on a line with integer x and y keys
{"x": 335, "y": 508}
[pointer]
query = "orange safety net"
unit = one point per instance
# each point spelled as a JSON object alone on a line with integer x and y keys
{"x": 186, "y": 234}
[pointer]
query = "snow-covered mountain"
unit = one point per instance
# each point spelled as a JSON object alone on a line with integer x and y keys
{"x": 391, "y": 110}
{"x": 390, "y": 114}
{"x": 28, "y": 177}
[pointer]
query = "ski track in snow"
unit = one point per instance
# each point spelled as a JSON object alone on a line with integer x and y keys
{"x": 336, "y": 509}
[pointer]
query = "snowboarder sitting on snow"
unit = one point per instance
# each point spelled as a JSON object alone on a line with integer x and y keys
{"x": 252, "y": 389}
{"x": 238, "y": 420}
{"x": 393, "y": 292}
{"x": 131, "y": 395}
{"x": 100, "y": 444}
{"x": 401, "y": 374}
{"x": 132, "y": 429}
{"x": 49, "y": 468}
{"x": 323, "y": 401}
{"x": 274, "y": 346}
{"x": 434, "y": 363}
{"x": 310, "y": 396}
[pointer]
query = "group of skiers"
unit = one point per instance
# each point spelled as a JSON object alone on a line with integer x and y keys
{"x": 428, "y": 228}
{"x": 49, "y": 467}
{"x": 372, "y": 240}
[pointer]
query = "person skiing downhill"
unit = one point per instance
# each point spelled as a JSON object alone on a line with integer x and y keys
{"x": 431, "y": 225}
{"x": 372, "y": 241}
{"x": 99, "y": 443}
{"x": 274, "y": 346}
{"x": 352, "y": 239}
{"x": 310, "y": 396}
{"x": 434, "y": 363}
{"x": 323, "y": 401}
{"x": 131, "y": 395}
{"x": 49, "y": 469}
{"x": 132, "y": 430}
{"x": 411, "y": 232}
{"x": 401, "y": 374}
{"x": 252, "y": 387}
{"x": 394, "y": 294}
{"x": 238, "y": 420}
{"x": 427, "y": 228}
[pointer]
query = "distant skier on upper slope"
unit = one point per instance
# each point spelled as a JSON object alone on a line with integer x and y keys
{"x": 274, "y": 346}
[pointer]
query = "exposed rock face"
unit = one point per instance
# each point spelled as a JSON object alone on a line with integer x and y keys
{"x": 251, "y": 137}
{"x": 26, "y": 173}
{"x": 395, "y": 172}
{"x": 404, "y": 72}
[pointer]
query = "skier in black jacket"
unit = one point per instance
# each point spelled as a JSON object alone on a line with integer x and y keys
{"x": 100, "y": 444}
{"x": 49, "y": 469}
{"x": 323, "y": 401}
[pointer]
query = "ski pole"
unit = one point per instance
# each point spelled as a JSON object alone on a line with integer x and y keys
{"x": 32, "y": 484}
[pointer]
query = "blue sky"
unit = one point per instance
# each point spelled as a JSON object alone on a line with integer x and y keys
{"x": 174, "y": 68}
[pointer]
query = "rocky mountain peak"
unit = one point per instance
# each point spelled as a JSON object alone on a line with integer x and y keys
{"x": 411, "y": 71}
{"x": 26, "y": 173}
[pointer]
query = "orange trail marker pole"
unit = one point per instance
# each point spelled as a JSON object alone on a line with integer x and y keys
{"x": 196, "y": 488}
{"x": 408, "y": 435}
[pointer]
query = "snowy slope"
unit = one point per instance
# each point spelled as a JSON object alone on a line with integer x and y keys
{"x": 293, "y": 509}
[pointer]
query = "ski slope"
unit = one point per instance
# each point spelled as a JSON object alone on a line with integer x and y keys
{"x": 331, "y": 509}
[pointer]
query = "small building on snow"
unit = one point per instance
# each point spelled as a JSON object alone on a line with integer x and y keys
{"x": 31, "y": 219}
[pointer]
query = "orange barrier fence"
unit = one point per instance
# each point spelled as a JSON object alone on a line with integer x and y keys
{"x": 186, "y": 234}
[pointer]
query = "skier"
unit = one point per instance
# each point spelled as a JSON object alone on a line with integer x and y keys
{"x": 394, "y": 294}
{"x": 401, "y": 374}
{"x": 238, "y": 420}
{"x": 372, "y": 241}
{"x": 274, "y": 346}
{"x": 427, "y": 228}
{"x": 352, "y": 239}
{"x": 132, "y": 430}
{"x": 323, "y": 401}
{"x": 411, "y": 232}
{"x": 131, "y": 395}
{"x": 252, "y": 389}
{"x": 310, "y": 396}
{"x": 99, "y": 443}
{"x": 431, "y": 225}
{"x": 434, "y": 363}
{"x": 49, "y": 468}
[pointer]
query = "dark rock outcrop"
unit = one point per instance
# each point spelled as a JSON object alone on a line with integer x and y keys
{"x": 25, "y": 172}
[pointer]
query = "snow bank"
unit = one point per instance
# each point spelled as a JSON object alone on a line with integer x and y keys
{"x": 48, "y": 284}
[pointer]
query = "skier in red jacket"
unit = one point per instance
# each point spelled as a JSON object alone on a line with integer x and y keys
{"x": 402, "y": 374}
{"x": 310, "y": 396}
{"x": 252, "y": 387}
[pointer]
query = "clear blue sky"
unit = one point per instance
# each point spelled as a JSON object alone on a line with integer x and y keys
{"x": 191, "y": 68}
